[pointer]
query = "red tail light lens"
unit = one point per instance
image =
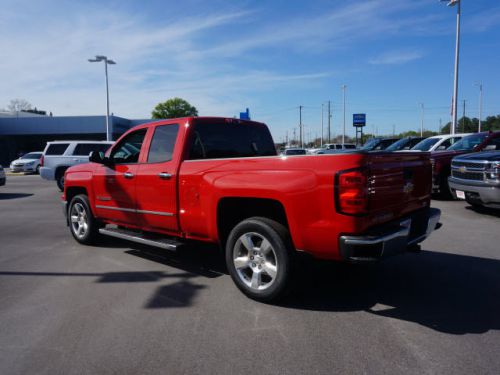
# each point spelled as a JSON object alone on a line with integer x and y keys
{"x": 41, "y": 161}
{"x": 351, "y": 192}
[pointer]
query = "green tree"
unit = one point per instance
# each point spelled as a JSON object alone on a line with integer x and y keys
{"x": 468, "y": 125}
{"x": 173, "y": 108}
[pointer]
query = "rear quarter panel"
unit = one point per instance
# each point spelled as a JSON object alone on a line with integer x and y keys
{"x": 302, "y": 184}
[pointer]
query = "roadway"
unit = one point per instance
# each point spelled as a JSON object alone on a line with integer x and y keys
{"x": 122, "y": 308}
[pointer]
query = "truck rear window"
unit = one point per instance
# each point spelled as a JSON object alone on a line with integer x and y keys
{"x": 221, "y": 139}
{"x": 57, "y": 149}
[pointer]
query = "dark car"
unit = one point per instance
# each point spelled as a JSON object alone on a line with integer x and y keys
{"x": 378, "y": 144}
{"x": 404, "y": 144}
{"x": 294, "y": 151}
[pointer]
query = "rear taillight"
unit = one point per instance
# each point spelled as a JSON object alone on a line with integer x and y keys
{"x": 351, "y": 196}
{"x": 41, "y": 161}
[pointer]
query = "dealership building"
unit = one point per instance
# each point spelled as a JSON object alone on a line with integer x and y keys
{"x": 24, "y": 132}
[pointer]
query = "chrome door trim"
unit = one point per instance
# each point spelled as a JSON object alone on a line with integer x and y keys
{"x": 116, "y": 208}
{"x": 160, "y": 213}
{"x": 155, "y": 213}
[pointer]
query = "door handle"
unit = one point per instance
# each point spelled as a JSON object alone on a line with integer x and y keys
{"x": 128, "y": 175}
{"x": 165, "y": 176}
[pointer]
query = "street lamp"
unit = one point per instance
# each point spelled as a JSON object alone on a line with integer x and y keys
{"x": 421, "y": 119}
{"x": 457, "y": 48}
{"x": 480, "y": 84}
{"x": 107, "y": 61}
{"x": 343, "y": 104}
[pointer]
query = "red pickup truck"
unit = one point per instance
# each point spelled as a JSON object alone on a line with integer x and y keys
{"x": 441, "y": 160}
{"x": 220, "y": 180}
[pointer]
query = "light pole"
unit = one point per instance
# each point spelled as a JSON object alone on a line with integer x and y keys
{"x": 106, "y": 62}
{"x": 422, "y": 119}
{"x": 457, "y": 49}
{"x": 322, "y": 117}
{"x": 480, "y": 84}
{"x": 301, "y": 127}
{"x": 343, "y": 105}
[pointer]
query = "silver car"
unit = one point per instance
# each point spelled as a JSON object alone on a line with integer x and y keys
{"x": 28, "y": 163}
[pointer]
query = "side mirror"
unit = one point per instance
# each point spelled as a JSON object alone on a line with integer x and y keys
{"x": 490, "y": 148}
{"x": 97, "y": 157}
{"x": 441, "y": 148}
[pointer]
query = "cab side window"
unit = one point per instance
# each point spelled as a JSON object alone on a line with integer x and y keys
{"x": 494, "y": 142}
{"x": 129, "y": 148}
{"x": 447, "y": 143}
{"x": 163, "y": 143}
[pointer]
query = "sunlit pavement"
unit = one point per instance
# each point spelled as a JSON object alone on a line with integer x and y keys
{"x": 122, "y": 308}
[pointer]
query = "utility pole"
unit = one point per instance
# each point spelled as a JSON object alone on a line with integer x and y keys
{"x": 343, "y": 101}
{"x": 463, "y": 119}
{"x": 329, "y": 121}
{"x": 301, "y": 129}
{"x": 393, "y": 130}
{"x": 440, "y": 125}
{"x": 480, "y": 84}
{"x": 422, "y": 120}
{"x": 294, "y": 135}
{"x": 322, "y": 118}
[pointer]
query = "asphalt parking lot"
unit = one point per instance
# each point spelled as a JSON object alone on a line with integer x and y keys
{"x": 122, "y": 308}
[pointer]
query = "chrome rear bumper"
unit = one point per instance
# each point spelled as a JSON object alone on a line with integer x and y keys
{"x": 386, "y": 242}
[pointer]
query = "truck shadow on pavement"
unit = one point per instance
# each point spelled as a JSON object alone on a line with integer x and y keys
{"x": 449, "y": 293}
{"x": 5, "y": 196}
{"x": 484, "y": 210}
{"x": 179, "y": 293}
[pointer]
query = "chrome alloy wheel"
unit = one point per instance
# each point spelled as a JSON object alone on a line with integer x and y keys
{"x": 79, "y": 220}
{"x": 255, "y": 261}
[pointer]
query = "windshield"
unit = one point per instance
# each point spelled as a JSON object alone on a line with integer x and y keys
{"x": 469, "y": 142}
{"x": 370, "y": 144}
{"x": 32, "y": 155}
{"x": 399, "y": 145}
{"x": 426, "y": 144}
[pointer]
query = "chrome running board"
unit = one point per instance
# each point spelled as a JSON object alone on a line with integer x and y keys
{"x": 138, "y": 237}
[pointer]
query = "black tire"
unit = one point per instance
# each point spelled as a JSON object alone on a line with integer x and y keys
{"x": 79, "y": 209}
{"x": 60, "y": 181}
{"x": 37, "y": 171}
{"x": 475, "y": 205}
{"x": 444, "y": 187}
{"x": 265, "y": 259}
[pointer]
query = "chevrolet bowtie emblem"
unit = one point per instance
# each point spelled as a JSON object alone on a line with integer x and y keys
{"x": 462, "y": 169}
{"x": 408, "y": 188}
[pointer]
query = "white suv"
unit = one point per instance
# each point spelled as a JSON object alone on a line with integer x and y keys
{"x": 60, "y": 155}
{"x": 438, "y": 142}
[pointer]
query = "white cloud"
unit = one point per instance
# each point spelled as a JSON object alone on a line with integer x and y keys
{"x": 396, "y": 57}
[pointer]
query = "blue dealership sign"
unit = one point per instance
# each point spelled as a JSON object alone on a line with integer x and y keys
{"x": 359, "y": 119}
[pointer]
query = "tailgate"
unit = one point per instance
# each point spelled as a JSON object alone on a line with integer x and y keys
{"x": 398, "y": 182}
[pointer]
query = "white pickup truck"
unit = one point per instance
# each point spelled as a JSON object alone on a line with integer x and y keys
{"x": 60, "y": 155}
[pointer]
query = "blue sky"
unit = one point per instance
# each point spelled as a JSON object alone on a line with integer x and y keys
{"x": 272, "y": 56}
